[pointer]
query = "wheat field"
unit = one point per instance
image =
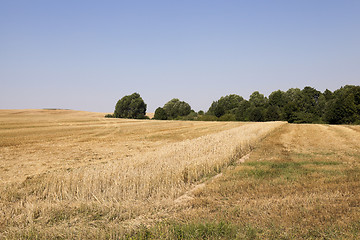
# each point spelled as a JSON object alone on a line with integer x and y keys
{"x": 300, "y": 182}
{"x": 66, "y": 173}
{"x": 37, "y": 141}
{"x": 77, "y": 175}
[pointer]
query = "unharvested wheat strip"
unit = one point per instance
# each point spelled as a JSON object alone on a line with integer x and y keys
{"x": 165, "y": 173}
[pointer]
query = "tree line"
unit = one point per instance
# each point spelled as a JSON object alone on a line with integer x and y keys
{"x": 294, "y": 106}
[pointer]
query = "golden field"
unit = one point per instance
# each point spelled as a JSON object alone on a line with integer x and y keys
{"x": 37, "y": 141}
{"x": 77, "y": 175}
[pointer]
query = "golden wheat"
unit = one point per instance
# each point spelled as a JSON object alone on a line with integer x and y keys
{"x": 37, "y": 141}
{"x": 157, "y": 161}
{"x": 163, "y": 173}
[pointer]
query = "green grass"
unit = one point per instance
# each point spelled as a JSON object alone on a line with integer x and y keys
{"x": 194, "y": 230}
{"x": 202, "y": 230}
{"x": 288, "y": 171}
{"x": 226, "y": 230}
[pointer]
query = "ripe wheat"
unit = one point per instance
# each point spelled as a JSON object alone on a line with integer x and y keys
{"x": 163, "y": 173}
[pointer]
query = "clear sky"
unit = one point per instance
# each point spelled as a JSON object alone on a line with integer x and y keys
{"x": 85, "y": 55}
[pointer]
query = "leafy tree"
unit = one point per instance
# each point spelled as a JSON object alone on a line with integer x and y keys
{"x": 219, "y": 110}
{"x": 310, "y": 100}
{"x": 227, "y": 117}
{"x": 175, "y": 108}
{"x": 304, "y": 117}
{"x": 295, "y": 105}
{"x": 304, "y": 106}
{"x": 211, "y": 110}
{"x": 130, "y": 106}
{"x": 230, "y": 102}
{"x": 278, "y": 98}
{"x": 293, "y": 95}
{"x": 257, "y": 99}
{"x": 333, "y": 112}
{"x": 242, "y": 112}
{"x": 256, "y": 114}
{"x": 191, "y": 116}
{"x": 272, "y": 113}
{"x": 290, "y": 110}
{"x": 227, "y": 104}
{"x": 328, "y": 95}
{"x": 160, "y": 114}
{"x": 344, "y": 107}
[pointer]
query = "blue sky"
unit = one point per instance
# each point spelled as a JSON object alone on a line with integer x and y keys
{"x": 85, "y": 55}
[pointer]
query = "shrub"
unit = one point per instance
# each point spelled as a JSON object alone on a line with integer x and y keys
{"x": 225, "y": 105}
{"x": 109, "y": 115}
{"x": 256, "y": 114}
{"x": 160, "y": 114}
{"x": 131, "y": 106}
{"x": 272, "y": 113}
{"x": 191, "y": 116}
{"x": 175, "y": 108}
{"x": 227, "y": 117}
{"x": 207, "y": 118}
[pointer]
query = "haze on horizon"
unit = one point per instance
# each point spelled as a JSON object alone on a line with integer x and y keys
{"x": 85, "y": 55}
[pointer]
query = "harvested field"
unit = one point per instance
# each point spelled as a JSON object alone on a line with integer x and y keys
{"x": 37, "y": 141}
{"x": 301, "y": 182}
{"x": 62, "y": 166}
{"x": 67, "y": 174}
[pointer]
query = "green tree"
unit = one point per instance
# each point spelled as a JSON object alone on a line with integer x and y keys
{"x": 130, "y": 106}
{"x": 272, "y": 113}
{"x": 230, "y": 102}
{"x": 334, "y": 113}
{"x": 328, "y": 95}
{"x": 310, "y": 100}
{"x": 293, "y": 95}
{"x": 257, "y": 99}
{"x": 211, "y": 110}
{"x": 160, "y": 114}
{"x": 227, "y": 117}
{"x": 290, "y": 110}
{"x": 303, "y": 106}
{"x": 242, "y": 112}
{"x": 191, "y": 116}
{"x": 278, "y": 98}
{"x": 175, "y": 108}
{"x": 225, "y": 105}
{"x": 219, "y": 110}
{"x": 341, "y": 109}
{"x": 256, "y": 114}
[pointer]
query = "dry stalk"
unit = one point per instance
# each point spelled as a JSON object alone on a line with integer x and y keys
{"x": 164, "y": 173}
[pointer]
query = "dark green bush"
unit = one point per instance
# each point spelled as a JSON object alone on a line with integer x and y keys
{"x": 225, "y": 105}
{"x": 191, "y": 116}
{"x": 272, "y": 113}
{"x": 175, "y": 108}
{"x": 160, "y": 114}
{"x": 227, "y": 117}
{"x": 131, "y": 106}
{"x": 257, "y": 115}
{"x": 207, "y": 118}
